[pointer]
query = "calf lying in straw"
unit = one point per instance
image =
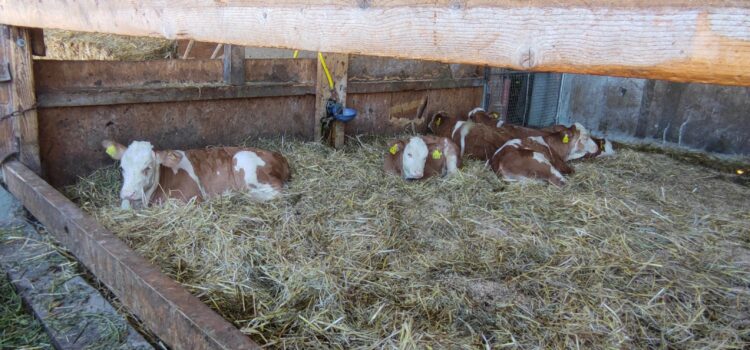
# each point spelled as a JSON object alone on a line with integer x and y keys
{"x": 421, "y": 157}
{"x": 151, "y": 176}
{"x": 543, "y": 157}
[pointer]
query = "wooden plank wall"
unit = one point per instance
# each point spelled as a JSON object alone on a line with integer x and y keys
{"x": 83, "y": 102}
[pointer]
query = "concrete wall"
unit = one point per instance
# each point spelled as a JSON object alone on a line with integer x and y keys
{"x": 705, "y": 117}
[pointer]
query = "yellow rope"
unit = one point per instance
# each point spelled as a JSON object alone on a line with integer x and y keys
{"x": 325, "y": 69}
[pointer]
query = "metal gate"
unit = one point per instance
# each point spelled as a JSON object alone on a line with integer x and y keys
{"x": 523, "y": 98}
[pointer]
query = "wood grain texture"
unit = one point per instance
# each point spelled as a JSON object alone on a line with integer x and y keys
{"x": 8, "y": 143}
{"x": 679, "y": 40}
{"x": 234, "y": 64}
{"x": 20, "y": 98}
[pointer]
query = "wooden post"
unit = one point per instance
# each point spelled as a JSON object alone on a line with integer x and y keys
{"x": 18, "y": 118}
{"x": 38, "y": 48}
{"x": 234, "y": 64}
{"x": 338, "y": 67}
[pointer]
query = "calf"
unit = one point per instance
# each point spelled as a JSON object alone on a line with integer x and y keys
{"x": 441, "y": 124}
{"x": 604, "y": 149}
{"x": 478, "y": 141}
{"x": 421, "y": 157}
{"x": 479, "y": 115}
{"x": 543, "y": 157}
{"x": 151, "y": 176}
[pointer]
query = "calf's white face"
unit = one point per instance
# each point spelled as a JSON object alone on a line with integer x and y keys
{"x": 139, "y": 172}
{"x": 140, "y": 169}
{"x": 583, "y": 144}
{"x": 414, "y": 158}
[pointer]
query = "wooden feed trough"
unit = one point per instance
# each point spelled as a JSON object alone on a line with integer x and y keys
{"x": 55, "y": 113}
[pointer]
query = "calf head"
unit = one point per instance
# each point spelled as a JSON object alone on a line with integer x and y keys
{"x": 578, "y": 141}
{"x": 604, "y": 149}
{"x": 442, "y": 124}
{"x": 414, "y": 157}
{"x": 140, "y": 166}
{"x": 480, "y": 116}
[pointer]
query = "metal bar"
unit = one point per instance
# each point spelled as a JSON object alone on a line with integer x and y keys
{"x": 174, "y": 315}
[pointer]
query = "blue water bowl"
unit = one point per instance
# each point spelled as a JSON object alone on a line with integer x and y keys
{"x": 346, "y": 115}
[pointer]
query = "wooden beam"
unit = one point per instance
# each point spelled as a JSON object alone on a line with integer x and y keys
{"x": 368, "y": 87}
{"x": 234, "y": 64}
{"x": 198, "y": 92}
{"x": 174, "y": 315}
{"x": 680, "y": 40}
{"x": 38, "y": 48}
{"x": 19, "y": 112}
{"x": 77, "y": 97}
{"x": 330, "y": 83}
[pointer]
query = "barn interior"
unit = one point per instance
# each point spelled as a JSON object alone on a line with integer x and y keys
{"x": 645, "y": 249}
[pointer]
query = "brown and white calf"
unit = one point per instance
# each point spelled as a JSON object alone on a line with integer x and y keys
{"x": 479, "y": 115}
{"x": 442, "y": 124}
{"x": 420, "y": 157}
{"x": 543, "y": 157}
{"x": 151, "y": 176}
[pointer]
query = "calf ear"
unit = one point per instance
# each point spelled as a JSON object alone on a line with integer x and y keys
{"x": 395, "y": 147}
{"x": 170, "y": 159}
{"x": 113, "y": 149}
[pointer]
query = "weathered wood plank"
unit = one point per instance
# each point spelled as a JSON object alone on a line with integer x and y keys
{"x": 333, "y": 86}
{"x": 8, "y": 142}
{"x": 20, "y": 101}
{"x": 234, "y": 64}
{"x": 679, "y": 40}
{"x": 173, "y": 314}
{"x": 38, "y": 48}
{"x": 197, "y": 92}
{"x": 113, "y": 96}
{"x": 58, "y": 75}
{"x": 365, "y": 87}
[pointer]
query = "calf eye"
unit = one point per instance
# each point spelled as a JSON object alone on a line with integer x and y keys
{"x": 409, "y": 154}
{"x": 146, "y": 171}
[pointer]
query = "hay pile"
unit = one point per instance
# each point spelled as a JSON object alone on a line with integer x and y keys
{"x": 637, "y": 251}
{"x": 67, "y": 45}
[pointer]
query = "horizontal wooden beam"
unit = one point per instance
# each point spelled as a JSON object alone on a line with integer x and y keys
{"x": 680, "y": 40}
{"x": 114, "y": 96}
{"x": 369, "y": 87}
{"x": 174, "y": 315}
{"x": 122, "y": 95}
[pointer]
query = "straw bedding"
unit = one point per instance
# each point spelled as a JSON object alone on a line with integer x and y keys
{"x": 637, "y": 251}
{"x": 68, "y": 45}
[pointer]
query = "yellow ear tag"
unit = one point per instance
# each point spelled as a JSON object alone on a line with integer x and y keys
{"x": 438, "y": 121}
{"x": 394, "y": 149}
{"x": 436, "y": 154}
{"x": 111, "y": 150}
{"x": 495, "y": 115}
{"x": 566, "y": 139}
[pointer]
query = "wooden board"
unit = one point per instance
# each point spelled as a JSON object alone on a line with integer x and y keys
{"x": 680, "y": 40}
{"x": 8, "y": 145}
{"x": 394, "y": 112}
{"x": 178, "y": 318}
{"x": 233, "y": 64}
{"x": 19, "y": 128}
{"x": 57, "y": 75}
{"x": 70, "y": 137}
